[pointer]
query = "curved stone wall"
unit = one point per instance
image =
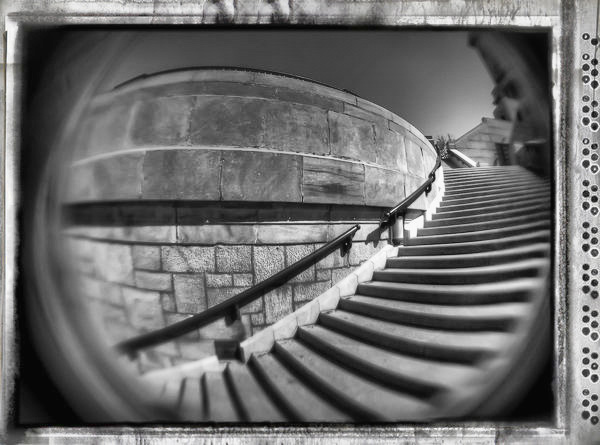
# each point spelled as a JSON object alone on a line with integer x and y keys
{"x": 188, "y": 187}
{"x": 232, "y": 135}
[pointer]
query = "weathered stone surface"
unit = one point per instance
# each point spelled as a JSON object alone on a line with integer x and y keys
{"x": 309, "y": 291}
{"x": 351, "y": 137}
{"x": 257, "y": 319}
{"x": 414, "y": 158}
{"x": 146, "y": 257}
{"x": 268, "y": 260}
{"x": 410, "y": 185}
{"x": 258, "y": 176}
{"x": 92, "y": 288}
{"x": 383, "y": 187}
{"x": 167, "y": 301}
{"x": 331, "y": 181}
{"x": 296, "y": 253}
{"x": 145, "y": 311}
{"x": 340, "y": 274}
{"x": 278, "y": 303}
{"x": 360, "y": 252}
{"x": 217, "y": 233}
{"x": 218, "y": 280}
{"x": 242, "y": 279}
{"x": 162, "y": 121}
{"x": 196, "y": 350}
{"x": 113, "y": 262}
{"x": 188, "y": 259}
{"x": 153, "y": 280}
{"x": 117, "y": 177}
{"x": 324, "y": 275}
{"x": 226, "y": 121}
{"x": 390, "y": 149}
{"x": 215, "y": 296}
{"x": 290, "y": 233}
{"x": 365, "y": 115}
{"x": 189, "y": 292}
{"x": 429, "y": 157}
{"x": 234, "y": 258}
{"x": 107, "y": 131}
{"x": 256, "y": 306}
{"x": 172, "y": 318}
{"x": 182, "y": 174}
{"x": 373, "y": 108}
{"x": 253, "y": 122}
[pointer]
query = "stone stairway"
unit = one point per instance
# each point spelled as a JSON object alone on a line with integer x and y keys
{"x": 454, "y": 326}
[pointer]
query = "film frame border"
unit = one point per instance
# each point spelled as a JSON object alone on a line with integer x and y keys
{"x": 567, "y": 21}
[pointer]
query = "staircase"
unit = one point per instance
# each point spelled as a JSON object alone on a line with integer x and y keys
{"x": 456, "y": 325}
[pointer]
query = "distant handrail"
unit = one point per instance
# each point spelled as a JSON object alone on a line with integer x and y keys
{"x": 230, "y": 307}
{"x": 390, "y": 215}
{"x": 463, "y": 157}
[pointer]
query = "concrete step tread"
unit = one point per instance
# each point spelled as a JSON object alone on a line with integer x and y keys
{"x": 479, "y": 258}
{"x": 474, "y": 312}
{"x": 488, "y": 207}
{"x": 477, "y": 193}
{"x": 361, "y": 395}
{"x": 299, "y": 399}
{"x": 190, "y": 403}
{"x": 528, "y": 263}
{"x": 516, "y": 289}
{"x": 488, "y": 179}
{"x": 417, "y": 374}
{"x": 448, "y": 345}
{"x": 532, "y": 216}
{"x": 478, "y": 235}
{"x": 495, "y": 196}
{"x": 254, "y": 403}
{"x": 497, "y": 204}
{"x": 453, "y": 191}
{"x": 219, "y": 403}
{"x": 488, "y": 216}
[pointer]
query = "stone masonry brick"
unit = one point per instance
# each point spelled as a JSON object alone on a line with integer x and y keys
{"x": 190, "y": 293}
{"x": 153, "y": 280}
{"x": 234, "y": 258}
{"x": 278, "y": 304}
{"x": 219, "y": 280}
{"x": 145, "y": 311}
{"x": 218, "y": 295}
{"x": 167, "y": 301}
{"x": 242, "y": 279}
{"x": 188, "y": 259}
{"x": 309, "y": 291}
{"x": 324, "y": 275}
{"x": 257, "y": 319}
{"x": 296, "y": 253}
{"x": 146, "y": 257}
{"x": 268, "y": 260}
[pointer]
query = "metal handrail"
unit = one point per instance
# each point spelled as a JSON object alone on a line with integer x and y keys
{"x": 230, "y": 308}
{"x": 389, "y": 216}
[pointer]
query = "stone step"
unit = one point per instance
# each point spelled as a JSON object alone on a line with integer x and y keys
{"x": 190, "y": 407}
{"x": 496, "y": 196}
{"x": 487, "y": 190}
{"x": 489, "y": 207}
{"x": 253, "y": 402}
{"x": 485, "y": 317}
{"x": 491, "y": 168}
{"x": 537, "y": 250}
{"x": 484, "y": 225}
{"x": 476, "y": 246}
{"x": 479, "y": 235}
{"x": 464, "y": 275}
{"x": 416, "y": 376}
{"x": 487, "y": 179}
{"x": 500, "y": 181}
{"x": 466, "y": 347}
{"x": 297, "y": 399}
{"x": 514, "y": 290}
{"x": 219, "y": 403}
{"x": 366, "y": 399}
{"x": 488, "y": 216}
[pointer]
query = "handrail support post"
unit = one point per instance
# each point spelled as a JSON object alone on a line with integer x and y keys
{"x": 397, "y": 230}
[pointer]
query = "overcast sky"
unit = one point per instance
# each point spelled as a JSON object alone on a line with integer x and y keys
{"x": 433, "y": 79}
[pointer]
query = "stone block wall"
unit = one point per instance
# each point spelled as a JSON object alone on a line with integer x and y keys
{"x": 188, "y": 187}
{"x": 235, "y": 135}
{"x": 135, "y": 288}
